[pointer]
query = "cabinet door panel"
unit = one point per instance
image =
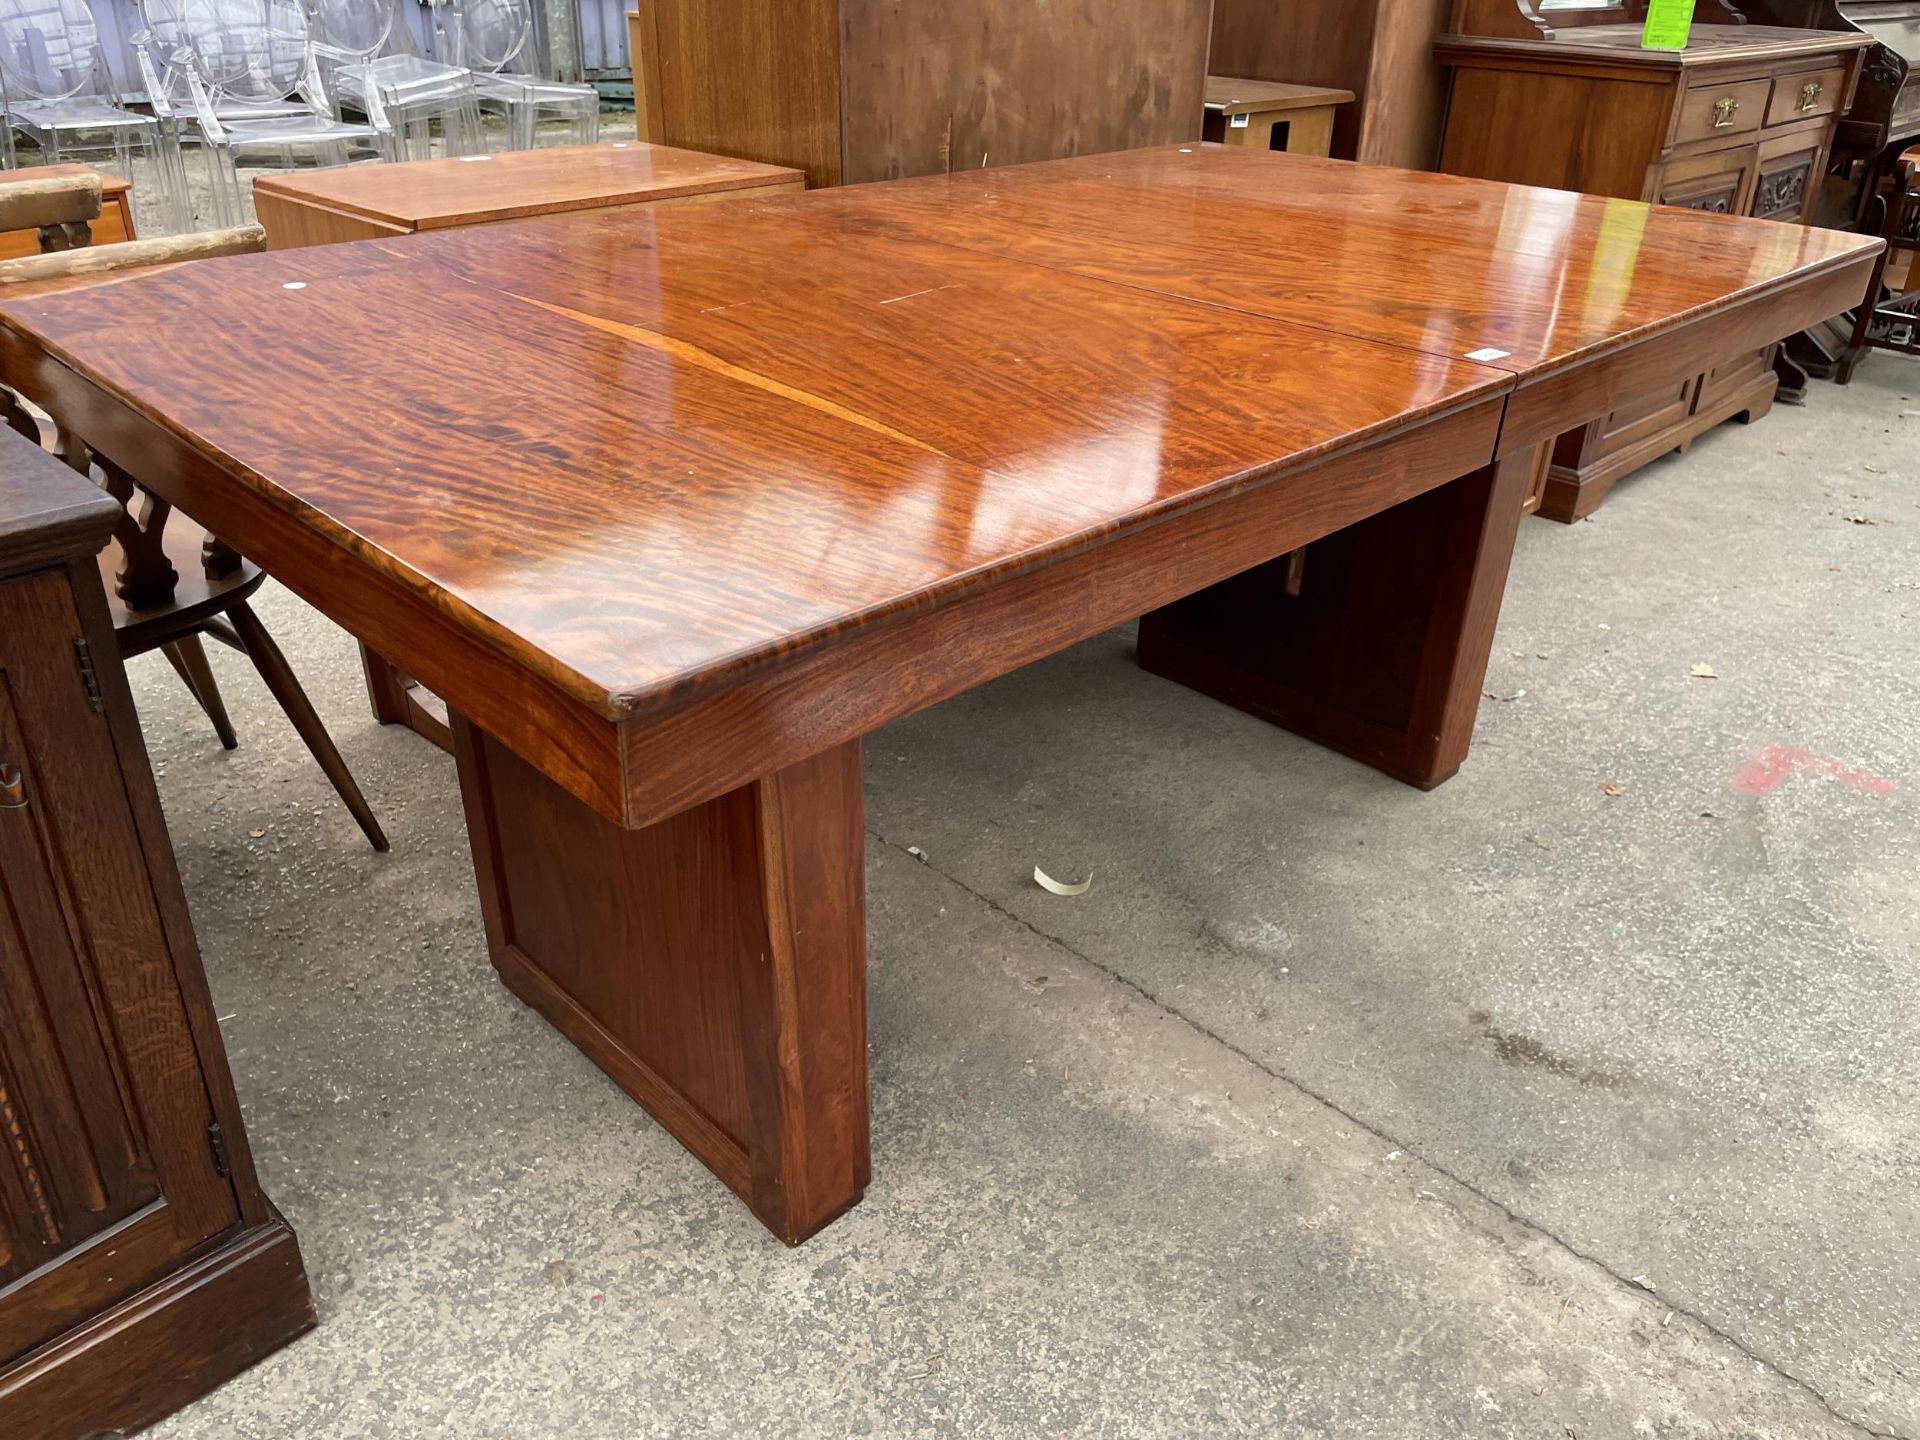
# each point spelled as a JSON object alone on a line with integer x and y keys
{"x": 1725, "y": 378}
{"x": 1787, "y": 175}
{"x": 1638, "y": 419}
{"x": 1720, "y": 181}
{"x": 109, "y": 1175}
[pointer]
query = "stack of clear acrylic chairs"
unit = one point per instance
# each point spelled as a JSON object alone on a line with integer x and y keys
{"x": 59, "y": 94}
{"x": 494, "y": 39}
{"x": 165, "y": 61}
{"x": 256, "y": 91}
{"x": 367, "y": 57}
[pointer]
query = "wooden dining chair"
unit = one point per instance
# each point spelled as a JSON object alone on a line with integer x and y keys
{"x": 168, "y": 581}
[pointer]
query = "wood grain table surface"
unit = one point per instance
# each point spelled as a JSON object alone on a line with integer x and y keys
{"x": 673, "y": 507}
{"x": 1443, "y": 264}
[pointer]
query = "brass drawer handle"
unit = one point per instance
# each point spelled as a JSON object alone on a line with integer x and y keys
{"x": 13, "y": 788}
{"x": 1809, "y": 95}
{"x": 1723, "y": 112}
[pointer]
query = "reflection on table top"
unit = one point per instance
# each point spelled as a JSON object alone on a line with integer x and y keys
{"x": 1440, "y": 263}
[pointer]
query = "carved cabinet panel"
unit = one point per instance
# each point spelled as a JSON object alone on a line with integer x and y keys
{"x": 1787, "y": 175}
{"x": 110, "y": 1172}
{"x": 1721, "y": 181}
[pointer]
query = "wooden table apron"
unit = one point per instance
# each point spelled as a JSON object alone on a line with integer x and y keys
{"x": 677, "y": 883}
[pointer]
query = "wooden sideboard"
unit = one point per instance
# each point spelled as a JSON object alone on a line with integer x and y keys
{"x": 140, "y": 1264}
{"x": 1740, "y": 122}
{"x": 855, "y": 90}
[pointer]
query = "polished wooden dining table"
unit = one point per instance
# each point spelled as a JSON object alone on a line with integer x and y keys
{"x": 674, "y": 507}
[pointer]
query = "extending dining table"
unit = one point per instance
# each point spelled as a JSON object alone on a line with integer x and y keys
{"x": 674, "y": 507}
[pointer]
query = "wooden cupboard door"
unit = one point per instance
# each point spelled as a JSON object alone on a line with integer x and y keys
{"x": 111, "y": 1172}
{"x": 1732, "y": 375}
{"x": 1787, "y": 175}
{"x": 1628, "y": 423}
{"x": 1720, "y": 181}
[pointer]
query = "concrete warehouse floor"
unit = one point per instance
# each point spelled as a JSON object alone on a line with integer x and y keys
{"x": 1333, "y": 1109}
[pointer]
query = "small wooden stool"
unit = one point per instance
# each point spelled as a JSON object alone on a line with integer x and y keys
{"x": 1267, "y": 115}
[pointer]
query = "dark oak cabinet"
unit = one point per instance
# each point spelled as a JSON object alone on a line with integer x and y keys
{"x": 139, "y": 1262}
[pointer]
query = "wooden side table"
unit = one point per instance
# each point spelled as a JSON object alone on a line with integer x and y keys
{"x": 1267, "y": 115}
{"x": 363, "y": 202}
{"x": 140, "y": 1264}
{"x": 115, "y": 222}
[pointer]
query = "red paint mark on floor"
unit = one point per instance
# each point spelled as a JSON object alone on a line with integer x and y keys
{"x": 1764, "y": 773}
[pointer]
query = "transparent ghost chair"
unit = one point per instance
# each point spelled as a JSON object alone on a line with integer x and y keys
{"x": 165, "y": 60}
{"x": 494, "y": 39}
{"x": 368, "y": 59}
{"x": 60, "y": 95}
{"x": 255, "y": 90}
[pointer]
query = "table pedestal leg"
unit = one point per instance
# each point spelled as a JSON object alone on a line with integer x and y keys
{"x": 713, "y": 964}
{"x": 398, "y": 699}
{"x": 1373, "y": 641}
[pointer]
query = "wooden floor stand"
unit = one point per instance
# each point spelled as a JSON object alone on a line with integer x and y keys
{"x": 713, "y": 964}
{"x": 1373, "y": 641}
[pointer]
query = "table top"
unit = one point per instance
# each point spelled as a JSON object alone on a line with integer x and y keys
{"x": 516, "y": 184}
{"x": 1232, "y": 96}
{"x": 47, "y": 512}
{"x": 110, "y": 184}
{"x": 647, "y": 454}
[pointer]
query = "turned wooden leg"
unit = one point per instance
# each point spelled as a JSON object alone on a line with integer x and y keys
{"x": 189, "y": 660}
{"x": 1373, "y": 642}
{"x": 280, "y": 679}
{"x": 398, "y": 699}
{"x": 713, "y": 964}
{"x": 1884, "y": 216}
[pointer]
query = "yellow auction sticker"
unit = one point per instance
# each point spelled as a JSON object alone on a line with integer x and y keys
{"x": 1667, "y": 24}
